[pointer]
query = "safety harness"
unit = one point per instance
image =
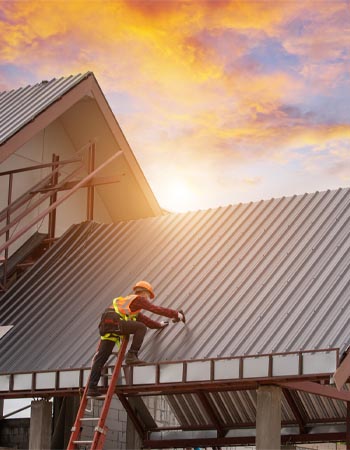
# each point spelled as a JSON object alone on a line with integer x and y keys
{"x": 109, "y": 325}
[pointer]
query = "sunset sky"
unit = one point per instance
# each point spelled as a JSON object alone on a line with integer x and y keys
{"x": 221, "y": 101}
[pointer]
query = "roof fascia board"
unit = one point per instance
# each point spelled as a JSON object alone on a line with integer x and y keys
{"x": 46, "y": 117}
{"x": 125, "y": 147}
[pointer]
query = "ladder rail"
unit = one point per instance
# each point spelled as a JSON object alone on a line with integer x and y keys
{"x": 100, "y": 429}
{"x": 77, "y": 423}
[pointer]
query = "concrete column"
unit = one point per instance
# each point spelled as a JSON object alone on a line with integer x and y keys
{"x": 268, "y": 418}
{"x": 133, "y": 440}
{"x": 40, "y": 425}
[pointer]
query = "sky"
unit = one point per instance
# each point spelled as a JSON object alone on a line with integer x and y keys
{"x": 222, "y": 102}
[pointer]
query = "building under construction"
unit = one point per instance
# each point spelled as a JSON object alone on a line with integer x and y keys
{"x": 262, "y": 359}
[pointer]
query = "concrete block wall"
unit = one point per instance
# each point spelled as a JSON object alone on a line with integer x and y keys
{"x": 116, "y": 423}
{"x": 160, "y": 410}
{"x": 117, "y": 420}
{"x": 14, "y": 433}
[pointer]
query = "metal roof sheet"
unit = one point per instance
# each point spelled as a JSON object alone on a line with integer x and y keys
{"x": 20, "y": 106}
{"x": 264, "y": 277}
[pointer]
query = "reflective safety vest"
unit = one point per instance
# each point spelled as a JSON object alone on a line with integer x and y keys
{"x": 122, "y": 307}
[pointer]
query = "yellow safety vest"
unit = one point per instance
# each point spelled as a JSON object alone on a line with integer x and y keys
{"x": 121, "y": 306}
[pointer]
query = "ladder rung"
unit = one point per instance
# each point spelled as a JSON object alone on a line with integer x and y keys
{"x": 82, "y": 442}
{"x": 85, "y": 419}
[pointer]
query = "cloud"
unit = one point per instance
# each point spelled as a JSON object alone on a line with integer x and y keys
{"x": 216, "y": 83}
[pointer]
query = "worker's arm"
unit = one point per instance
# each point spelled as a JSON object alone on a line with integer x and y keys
{"x": 149, "y": 322}
{"x": 143, "y": 303}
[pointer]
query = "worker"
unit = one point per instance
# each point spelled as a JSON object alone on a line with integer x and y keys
{"x": 124, "y": 318}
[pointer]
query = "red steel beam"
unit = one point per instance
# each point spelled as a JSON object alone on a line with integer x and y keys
{"x": 96, "y": 181}
{"x": 90, "y": 190}
{"x": 241, "y": 440}
{"x": 58, "y": 202}
{"x": 316, "y": 388}
{"x": 28, "y": 210}
{"x": 135, "y": 420}
{"x": 53, "y": 198}
{"x": 24, "y": 198}
{"x": 299, "y": 416}
{"x": 348, "y": 426}
{"x": 211, "y": 413}
{"x": 342, "y": 373}
{"x": 40, "y": 166}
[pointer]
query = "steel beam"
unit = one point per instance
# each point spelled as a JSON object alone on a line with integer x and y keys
{"x": 96, "y": 181}
{"x": 58, "y": 202}
{"x": 316, "y": 388}
{"x": 211, "y": 413}
{"x": 348, "y": 426}
{"x": 90, "y": 189}
{"x": 53, "y": 199}
{"x": 296, "y": 410}
{"x": 131, "y": 413}
{"x": 342, "y": 373}
{"x": 24, "y": 198}
{"x": 240, "y": 440}
{"x": 40, "y": 166}
{"x": 24, "y": 213}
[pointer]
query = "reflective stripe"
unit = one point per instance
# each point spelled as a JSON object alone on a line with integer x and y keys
{"x": 122, "y": 307}
{"x": 110, "y": 337}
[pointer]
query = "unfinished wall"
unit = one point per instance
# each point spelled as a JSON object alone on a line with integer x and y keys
{"x": 39, "y": 150}
{"x": 14, "y": 433}
{"x": 116, "y": 423}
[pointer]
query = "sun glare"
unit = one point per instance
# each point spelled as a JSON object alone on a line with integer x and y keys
{"x": 177, "y": 196}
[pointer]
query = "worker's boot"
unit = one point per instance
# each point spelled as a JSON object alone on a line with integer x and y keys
{"x": 131, "y": 358}
{"x": 93, "y": 392}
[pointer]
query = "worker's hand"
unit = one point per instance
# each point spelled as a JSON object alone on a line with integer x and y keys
{"x": 180, "y": 317}
{"x": 164, "y": 323}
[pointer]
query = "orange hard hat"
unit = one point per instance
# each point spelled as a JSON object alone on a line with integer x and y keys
{"x": 145, "y": 286}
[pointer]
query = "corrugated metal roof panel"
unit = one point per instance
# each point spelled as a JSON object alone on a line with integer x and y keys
{"x": 265, "y": 277}
{"x": 20, "y": 106}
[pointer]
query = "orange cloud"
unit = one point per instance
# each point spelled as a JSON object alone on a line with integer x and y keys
{"x": 214, "y": 81}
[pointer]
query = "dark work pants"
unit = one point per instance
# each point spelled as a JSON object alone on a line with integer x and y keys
{"x": 137, "y": 329}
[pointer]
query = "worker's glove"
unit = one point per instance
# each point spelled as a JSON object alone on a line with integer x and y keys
{"x": 180, "y": 317}
{"x": 164, "y": 323}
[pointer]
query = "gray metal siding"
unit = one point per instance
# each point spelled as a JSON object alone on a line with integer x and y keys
{"x": 254, "y": 278}
{"x": 19, "y": 107}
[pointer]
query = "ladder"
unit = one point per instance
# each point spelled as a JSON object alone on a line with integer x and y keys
{"x": 100, "y": 431}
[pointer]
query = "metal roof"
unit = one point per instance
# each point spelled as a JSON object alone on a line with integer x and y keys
{"x": 265, "y": 277}
{"x": 20, "y": 106}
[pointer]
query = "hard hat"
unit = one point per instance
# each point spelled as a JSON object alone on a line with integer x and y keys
{"x": 145, "y": 286}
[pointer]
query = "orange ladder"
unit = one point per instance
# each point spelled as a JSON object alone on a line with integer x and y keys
{"x": 100, "y": 430}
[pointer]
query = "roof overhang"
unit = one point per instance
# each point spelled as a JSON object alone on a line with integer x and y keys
{"x": 86, "y": 88}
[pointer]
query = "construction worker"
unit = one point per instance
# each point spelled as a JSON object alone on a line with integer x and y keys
{"x": 124, "y": 318}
